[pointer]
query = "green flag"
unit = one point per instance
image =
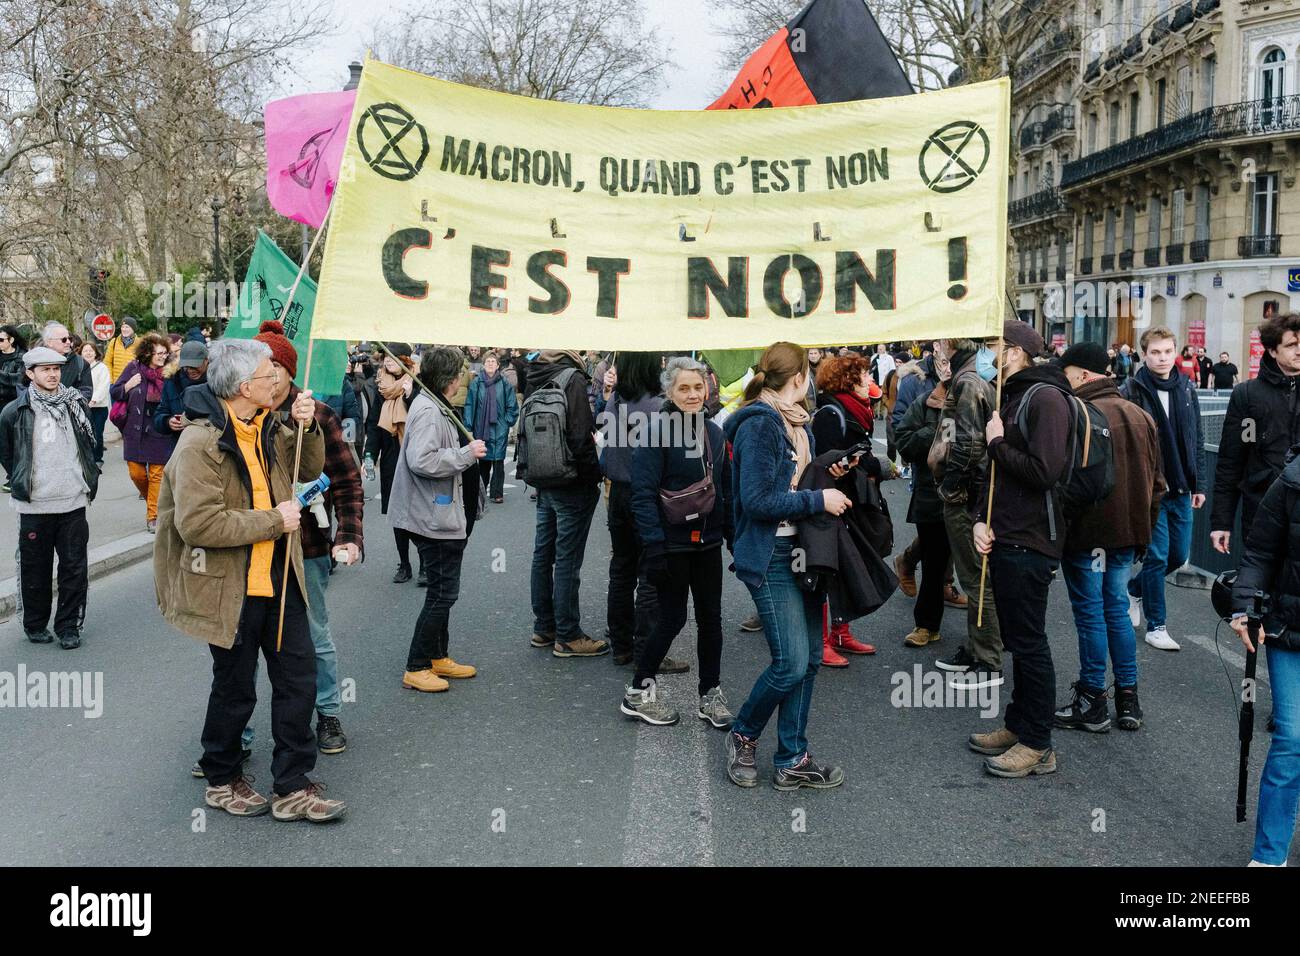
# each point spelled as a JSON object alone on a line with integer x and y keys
{"x": 731, "y": 364}
{"x": 266, "y": 289}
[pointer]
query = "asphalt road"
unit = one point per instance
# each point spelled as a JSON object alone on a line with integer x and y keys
{"x": 531, "y": 763}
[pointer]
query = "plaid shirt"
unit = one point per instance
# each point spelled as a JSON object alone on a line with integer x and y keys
{"x": 345, "y": 500}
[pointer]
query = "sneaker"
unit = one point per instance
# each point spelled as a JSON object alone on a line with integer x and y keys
{"x": 329, "y": 735}
{"x": 959, "y": 663}
{"x": 1021, "y": 761}
{"x": 40, "y": 637}
{"x": 995, "y": 742}
{"x": 425, "y": 681}
{"x": 954, "y": 598}
{"x": 151, "y": 526}
{"x": 238, "y": 798}
{"x": 920, "y": 637}
{"x": 1259, "y": 863}
{"x": 6, "y": 489}
{"x": 741, "y": 768}
{"x": 1159, "y": 638}
{"x": 1128, "y": 712}
{"x": 308, "y": 804}
{"x": 1086, "y": 710}
{"x": 906, "y": 577}
{"x": 403, "y": 574}
{"x": 1135, "y": 611}
{"x": 976, "y": 676}
{"x": 642, "y": 705}
{"x": 446, "y": 667}
{"x": 752, "y": 624}
{"x": 197, "y": 769}
{"x": 807, "y": 773}
{"x": 541, "y": 640}
{"x": 713, "y": 708}
{"x": 671, "y": 665}
{"x": 70, "y": 640}
{"x": 582, "y": 646}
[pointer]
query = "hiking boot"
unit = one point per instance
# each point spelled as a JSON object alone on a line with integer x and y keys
{"x": 237, "y": 798}
{"x": 1159, "y": 638}
{"x": 426, "y": 681}
{"x": 1086, "y": 710}
{"x": 807, "y": 773}
{"x": 830, "y": 656}
{"x": 329, "y": 735}
{"x": 309, "y": 803}
{"x": 954, "y": 598}
{"x": 844, "y": 642}
{"x": 581, "y": 646}
{"x": 741, "y": 768}
{"x": 920, "y": 637}
{"x": 906, "y": 577}
{"x": 642, "y": 705}
{"x": 713, "y": 708}
{"x": 670, "y": 665}
{"x": 959, "y": 663}
{"x": 403, "y": 574}
{"x": 70, "y": 640}
{"x": 541, "y": 640}
{"x": 197, "y": 769}
{"x": 752, "y": 624}
{"x": 1021, "y": 761}
{"x": 1128, "y": 712}
{"x": 40, "y": 637}
{"x": 996, "y": 742}
{"x": 446, "y": 667}
{"x": 976, "y": 676}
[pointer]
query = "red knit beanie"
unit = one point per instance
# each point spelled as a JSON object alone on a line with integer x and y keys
{"x": 282, "y": 351}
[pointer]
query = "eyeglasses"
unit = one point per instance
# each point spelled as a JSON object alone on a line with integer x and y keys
{"x": 274, "y": 376}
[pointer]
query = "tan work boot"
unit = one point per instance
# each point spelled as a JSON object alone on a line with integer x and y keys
{"x": 920, "y": 637}
{"x": 1021, "y": 761}
{"x": 906, "y": 577}
{"x": 426, "y": 681}
{"x": 446, "y": 667}
{"x": 997, "y": 742}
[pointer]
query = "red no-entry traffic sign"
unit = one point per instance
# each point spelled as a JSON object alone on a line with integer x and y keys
{"x": 103, "y": 327}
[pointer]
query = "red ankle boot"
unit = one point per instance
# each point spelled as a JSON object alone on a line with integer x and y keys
{"x": 830, "y": 657}
{"x": 843, "y": 640}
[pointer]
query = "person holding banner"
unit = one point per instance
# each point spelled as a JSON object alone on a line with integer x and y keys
{"x": 384, "y": 430}
{"x": 772, "y": 445}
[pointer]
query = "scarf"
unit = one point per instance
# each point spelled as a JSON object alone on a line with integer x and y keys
{"x": 392, "y": 416}
{"x": 795, "y": 416}
{"x": 64, "y": 404}
{"x": 485, "y": 415}
{"x": 860, "y": 411}
{"x": 554, "y": 355}
{"x": 153, "y": 382}
{"x": 1179, "y": 460}
{"x": 248, "y": 438}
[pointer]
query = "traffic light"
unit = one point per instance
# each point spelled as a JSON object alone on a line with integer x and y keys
{"x": 99, "y": 289}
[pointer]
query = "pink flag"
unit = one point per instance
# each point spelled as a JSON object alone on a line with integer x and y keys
{"x": 304, "y": 147}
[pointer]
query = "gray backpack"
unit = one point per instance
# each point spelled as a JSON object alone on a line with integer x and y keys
{"x": 544, "y": 457}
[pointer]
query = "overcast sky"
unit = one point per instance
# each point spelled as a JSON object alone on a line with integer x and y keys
{"x": 692, "y": 83}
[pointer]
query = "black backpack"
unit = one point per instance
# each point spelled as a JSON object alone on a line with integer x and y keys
{"x": 1090, "y": 476}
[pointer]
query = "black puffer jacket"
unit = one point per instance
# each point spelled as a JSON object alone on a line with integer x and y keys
{"x": 914, "y": 435}
{"x": 1271, "y": 562}
{"x": 1269, "y": 406}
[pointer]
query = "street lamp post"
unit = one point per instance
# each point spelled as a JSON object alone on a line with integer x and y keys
{"x": 216, "y": 238}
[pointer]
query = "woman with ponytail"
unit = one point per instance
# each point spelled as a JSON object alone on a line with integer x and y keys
{"x": 772, "y": 446}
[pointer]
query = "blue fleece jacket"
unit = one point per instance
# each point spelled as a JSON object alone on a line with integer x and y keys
{"x": 762, "y": 467}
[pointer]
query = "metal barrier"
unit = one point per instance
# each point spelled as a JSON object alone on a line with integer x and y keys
{"x": 1205, "y": 563}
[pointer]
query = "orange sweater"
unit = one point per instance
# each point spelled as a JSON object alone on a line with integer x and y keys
{"x": 250, "y": 446}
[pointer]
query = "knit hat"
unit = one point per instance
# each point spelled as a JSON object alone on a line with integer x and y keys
{"x": 41, "y": 355}
{"x": 1024, "y": 336}
{"x": 1085, "y": 355}
{"x": 282, "y": 351}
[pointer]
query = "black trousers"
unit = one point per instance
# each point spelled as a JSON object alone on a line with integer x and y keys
{"x": 494, "y": 477}
{"x": 40, "y": 537}
{"x": 441, "y": 559}
{"x": 699, "y": 574}
{"x": 1020, "y": 581}
{"x": 935, "y": 555}
{"x": 632, "y": 603}
{"x": 292, "y": 671}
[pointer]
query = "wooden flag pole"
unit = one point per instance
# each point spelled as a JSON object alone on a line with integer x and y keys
{"x": 993, "y": 474}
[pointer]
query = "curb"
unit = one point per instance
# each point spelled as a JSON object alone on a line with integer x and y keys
{"x": 102, "y": 561}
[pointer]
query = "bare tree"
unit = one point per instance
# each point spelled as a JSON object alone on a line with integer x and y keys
{"x": 579, "y": 51}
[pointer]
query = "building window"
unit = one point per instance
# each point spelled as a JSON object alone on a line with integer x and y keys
{"x": 1183, "y": 93}
{"x": 1208, "y": 66}
{"x": 1132, "y": 115}
{"x": 1177, "y": 211}
{"x": 1087, "y": 236}
{"x": 1062, "y": 263}
{"x": 1108, "y": 238}
{"x": 1048, "y": 174}
{"x": 1264, "y": 205}
{"x": 1092, "y": 132}
{"x": 1272, "y": 84}
{"x": 1153, "y": 222}
{"x": 1130, "y": 225}
{"x": 1203, "y": 213}
{"x": 1114, "y": 122}
{"x": 1160, "y": 103}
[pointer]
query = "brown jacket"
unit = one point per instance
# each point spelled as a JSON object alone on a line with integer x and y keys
{"x": 206, "y": 523}
{"x": 1126, "y": 517}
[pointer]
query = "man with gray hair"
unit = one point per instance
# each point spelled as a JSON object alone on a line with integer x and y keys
{"x": 76, "y": 373}
{"x": 226, "y": 517}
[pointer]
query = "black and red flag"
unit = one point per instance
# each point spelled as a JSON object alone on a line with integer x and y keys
{"x": 830, "y": 52}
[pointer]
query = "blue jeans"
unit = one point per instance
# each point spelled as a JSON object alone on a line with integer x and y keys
{"x": 1171, "y": 545}
{"x": 1279, "y": 786}
{"x": 792, "y": 624}
{"x": 1099, "y": 599}
{"x": 328, "y": 700}
{"x": 563, "y": 520}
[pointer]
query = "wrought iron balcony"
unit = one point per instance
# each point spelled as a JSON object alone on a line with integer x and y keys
{"x": 1231, "y": 120}
{"x": 1108, "y": 262}
{"x": 1040, "y": 205}
{"x": 1174, "y": 254}
{"x": 1151, "y": 256}
{"x": 1199, "y": 250}
{"x": 1093, "y": 71}
{"x": 1206, "y": 6}
{"x": 1159, "y": 29}
{"x": 1085, "y": 266}
{"x": 1126, "y": 259}
{"x": 1133, "y": 47}
{"x": 1250, "y": 247}
{"x": 1182, "y": 16}
{"x": 1063, "y": 43}
{"x": 1058, "y": 121}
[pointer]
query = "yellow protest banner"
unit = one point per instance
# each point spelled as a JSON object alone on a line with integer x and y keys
{"x": 468, "y": 216}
